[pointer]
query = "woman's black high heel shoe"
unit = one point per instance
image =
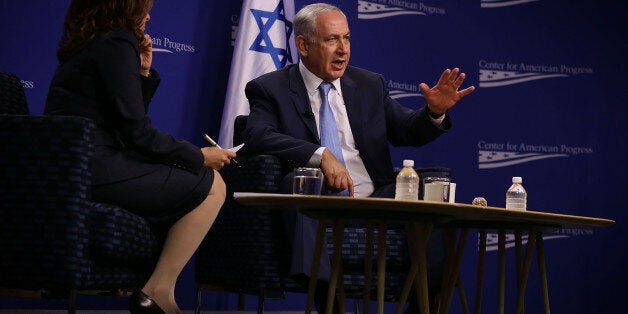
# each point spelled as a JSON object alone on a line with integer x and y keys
{"x": 140, "y": 303}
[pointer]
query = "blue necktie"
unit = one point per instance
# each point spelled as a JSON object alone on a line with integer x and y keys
{"x": 328, "y": 128}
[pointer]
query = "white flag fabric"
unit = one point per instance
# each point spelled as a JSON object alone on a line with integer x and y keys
{"x": 264, "y": 43}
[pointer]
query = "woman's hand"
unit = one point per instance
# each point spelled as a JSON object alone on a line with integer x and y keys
{"x": 217, "y": 158}
{"x": 146, "y": 55}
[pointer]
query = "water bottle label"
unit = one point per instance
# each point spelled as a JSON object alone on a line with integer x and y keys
{"x": 515, "y": 203}
{"x": 406, "y": 191}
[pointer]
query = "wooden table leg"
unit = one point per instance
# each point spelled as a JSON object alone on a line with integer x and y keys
{"x": 318, "y": 249}
{"x": 414, "y": 268}
{"x": 368, "y": 267}
{"x": 341, "y": 290}
{"x": 525, "y": 270}
{"x": 417, "y": 243}
{"x": 480, "y": 272}
{"x": 420, "y": 281}
{"x": 501, "y": 270}
{"x": 518, "y": 256}
{"x": 452, "y": 271}
{"x": 449, "y": 236}
{"x": 463, "y": 296}
{"x": 381, "y": 266}
{"x": 543, "y": 271}
{"x": 336, "y": 265}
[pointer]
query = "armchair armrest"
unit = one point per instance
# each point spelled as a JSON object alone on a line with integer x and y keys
{"x": 260, "y": 173}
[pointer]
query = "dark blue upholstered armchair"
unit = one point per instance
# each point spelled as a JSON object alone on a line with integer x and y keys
{"x": 55, "y": 241}
{"x": 245, "y": 250}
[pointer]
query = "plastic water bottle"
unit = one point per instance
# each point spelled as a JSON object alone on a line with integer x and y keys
{"x": 516, "y": 196}
{"x": 407, "y": 187}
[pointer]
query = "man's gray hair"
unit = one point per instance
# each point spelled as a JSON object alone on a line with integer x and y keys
{"x": 305, "y": 20}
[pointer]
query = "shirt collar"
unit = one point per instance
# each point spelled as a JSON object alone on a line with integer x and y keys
{"x": 312, "y": 81}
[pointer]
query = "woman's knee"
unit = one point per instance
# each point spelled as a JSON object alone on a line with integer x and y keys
{"x": 219, "y": 187}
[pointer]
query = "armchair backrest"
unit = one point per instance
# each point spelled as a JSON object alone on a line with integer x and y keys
{"x": 12, "y": 96}
{"x": 238, "y": 127}
{"x": 45, "y": 155}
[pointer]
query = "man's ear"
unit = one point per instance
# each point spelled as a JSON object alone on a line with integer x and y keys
{"x": 302, "y": 45}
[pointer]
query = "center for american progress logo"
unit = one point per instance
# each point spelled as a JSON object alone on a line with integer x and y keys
{"x": 492, "y": 243}
{"x": 497, "y": 155}
{"x": 502, "y": 3}
{"x": 168, "y": 45}
{"x": 378, "y": 9}
{"x": 495, "y": 74}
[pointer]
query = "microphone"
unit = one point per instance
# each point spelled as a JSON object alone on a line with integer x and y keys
{"x": 309, "y": 113}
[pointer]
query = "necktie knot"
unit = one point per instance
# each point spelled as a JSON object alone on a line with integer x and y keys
{"x": 325, "y": 87}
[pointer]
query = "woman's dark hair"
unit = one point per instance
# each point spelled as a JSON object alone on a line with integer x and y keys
{"x": 88, "y": 19}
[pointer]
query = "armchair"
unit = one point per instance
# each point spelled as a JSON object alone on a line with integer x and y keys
{"x": 54, "y": 240}
{"x": 245, "y": 250}
{"x": 12, "y": 96}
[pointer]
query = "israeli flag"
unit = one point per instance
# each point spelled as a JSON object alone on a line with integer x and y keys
{"x": 264, "y": 43}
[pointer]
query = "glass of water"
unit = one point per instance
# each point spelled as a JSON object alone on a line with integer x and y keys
{"x": 307, "y": 181}
{"x": 436, "y": 189}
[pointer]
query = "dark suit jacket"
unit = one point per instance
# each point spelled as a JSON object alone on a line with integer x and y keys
{"x": 102, "y": 82}
{"x": 281, "y": 122}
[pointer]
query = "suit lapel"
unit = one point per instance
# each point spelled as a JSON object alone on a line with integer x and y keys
{"x": 354, "y": 109}
{"x": 301, "y": 101}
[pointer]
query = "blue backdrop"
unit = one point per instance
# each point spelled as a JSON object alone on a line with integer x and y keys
{"x": 549, "y": 106}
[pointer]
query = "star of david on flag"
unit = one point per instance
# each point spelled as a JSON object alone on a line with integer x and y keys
{"x": 264, "y": 43}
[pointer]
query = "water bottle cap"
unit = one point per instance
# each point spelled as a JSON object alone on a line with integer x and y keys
{"x": 408, "y": 163}
{"x": 517, "y": 180}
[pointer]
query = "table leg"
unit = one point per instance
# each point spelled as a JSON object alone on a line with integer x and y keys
{"x": 341, "y": 288}
{"x": 543, "y": 271}
{"x": 318, "y": 249}
{"x": 381, "y": 266}
{"x": 525, "y": 270}
{"x": 421, "y": 286}
{"x": 449, "y": 236}
{"x": 518, "y": 255}
{"x": 480, "y": 272}
{"x": 414, "y": 268}
{"x": 452, "y": 271}
{"x": 368, "y": 267}
{"x": 463, "y": 296}
{"x": 417, "y": 242}
{"x": 501, "y": 270}
{"x": 336, "y": 265}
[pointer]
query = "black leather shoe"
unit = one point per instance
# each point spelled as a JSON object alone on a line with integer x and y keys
{"x": 140, "y": 303}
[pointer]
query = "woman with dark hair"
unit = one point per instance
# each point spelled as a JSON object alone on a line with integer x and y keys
{"x": 105, "y": 74}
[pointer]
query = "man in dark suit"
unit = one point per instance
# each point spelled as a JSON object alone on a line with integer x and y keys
{"x": 285, "y": 119}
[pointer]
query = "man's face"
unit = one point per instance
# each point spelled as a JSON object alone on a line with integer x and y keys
{"x": 327, "y": 57}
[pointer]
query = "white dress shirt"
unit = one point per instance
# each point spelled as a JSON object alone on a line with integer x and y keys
{"x": 363, "y": 185}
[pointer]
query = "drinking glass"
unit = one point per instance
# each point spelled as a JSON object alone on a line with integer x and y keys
{"x": 436, "y": 189}
{"x": 307, "y": 181}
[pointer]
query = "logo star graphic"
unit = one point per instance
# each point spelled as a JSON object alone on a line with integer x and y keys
{"x": 263, "y": 42}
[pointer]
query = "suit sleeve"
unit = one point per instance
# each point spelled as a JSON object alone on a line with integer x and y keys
{"x": 407, "y": 127}
{"x": 276, "y": 128}
{"x": 119, "y": 64}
